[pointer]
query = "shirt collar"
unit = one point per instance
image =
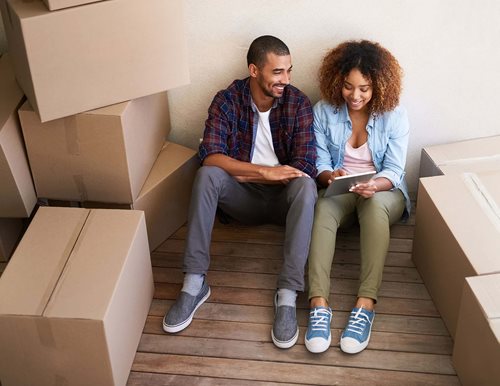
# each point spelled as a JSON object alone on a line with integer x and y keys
{"x": 344, "y": 116}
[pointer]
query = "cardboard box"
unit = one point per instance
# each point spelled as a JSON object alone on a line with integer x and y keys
{"x": 82, "y": 58}
{"x": 476, "y": 353}
{"x": 11, "y": 230}
{"x": 166, "y": 194}
{"x": 54, "y": 5}
{"x": 74, "y": 298}
{"x": 101, "y": 155}
{"x": 457, "y": 229}
{"x": 17, "y": 193}
{"x": 476, "y": 155}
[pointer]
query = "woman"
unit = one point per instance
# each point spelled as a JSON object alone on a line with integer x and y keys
{"x": 359, "y": 127}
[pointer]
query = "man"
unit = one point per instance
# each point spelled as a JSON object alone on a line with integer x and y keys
{"x": 258, "y": 156}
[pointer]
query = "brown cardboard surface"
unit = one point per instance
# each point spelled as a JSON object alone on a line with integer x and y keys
{"x": 86, "y": 68}
{"x": 17, "y": 193}
{"x": 100, "y": 155}
{"x": 166, "y": 194}
{"x": 456, "y": 235}
{"x": 475, "y": 155}
{"x": 476, "y": 353}
{"x": 91, "y": 286}
{"x": 54, "y": 5}
{"x": 11, "y": 230}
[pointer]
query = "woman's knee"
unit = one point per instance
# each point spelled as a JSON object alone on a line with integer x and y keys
{"x": 386, "y": 208}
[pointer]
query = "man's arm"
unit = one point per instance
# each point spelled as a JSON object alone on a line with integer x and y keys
{"x": 248, "y": 172}
{"x": 303, "y": 146}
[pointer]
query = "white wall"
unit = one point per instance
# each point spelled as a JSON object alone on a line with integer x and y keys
{"x": 448, "y": 49}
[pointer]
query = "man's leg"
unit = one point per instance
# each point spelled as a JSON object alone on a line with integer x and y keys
{"x": 212, "y": 187}
{"x": 295, "y": 208}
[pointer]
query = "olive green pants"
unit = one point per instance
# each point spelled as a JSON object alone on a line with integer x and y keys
{"x": 375, "y": 216}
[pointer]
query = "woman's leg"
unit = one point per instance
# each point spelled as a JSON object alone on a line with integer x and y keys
{"x": 375, "y": 216}
{"x": 330, "y": 213}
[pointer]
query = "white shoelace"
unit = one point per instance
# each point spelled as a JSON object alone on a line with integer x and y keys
{"x": 319, "y": 319}
{"x": 357, "y": 323}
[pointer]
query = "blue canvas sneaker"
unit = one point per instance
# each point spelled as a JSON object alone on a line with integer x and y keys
{"x": 181, "y": 313}
{"x": 357, "y": 333}
{"x": 318, "y": 336}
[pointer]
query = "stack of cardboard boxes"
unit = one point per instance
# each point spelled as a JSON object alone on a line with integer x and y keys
{"x": 17, "y": 193}
{"x": 457, "y": 249}
{"x": 92, "y": 131}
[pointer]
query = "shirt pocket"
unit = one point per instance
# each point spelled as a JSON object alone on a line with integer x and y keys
{"x": 334, "y": 151}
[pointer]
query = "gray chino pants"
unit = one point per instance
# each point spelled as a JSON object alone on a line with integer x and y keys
{"x": 291, "y": 205}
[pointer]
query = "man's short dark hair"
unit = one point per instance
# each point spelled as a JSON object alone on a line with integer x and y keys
{"x": 260, "y": 47}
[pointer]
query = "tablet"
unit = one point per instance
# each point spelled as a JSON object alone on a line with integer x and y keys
{"x": 342, "y": 184}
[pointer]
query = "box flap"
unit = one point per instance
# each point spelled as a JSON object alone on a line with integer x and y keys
{"x": 465, "y": 153}
{"x": 39, "y": 260}
{"x": 469, "y": 204}
{"x": 486, "y": 288}
{"x": 11, "y": 94}
{"x": 89, "y": 279}
{"x": 168, "y": 161}
{"x": 495, "y": 327}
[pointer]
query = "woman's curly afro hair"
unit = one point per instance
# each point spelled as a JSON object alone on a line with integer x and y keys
{"x": 376, "y": 64}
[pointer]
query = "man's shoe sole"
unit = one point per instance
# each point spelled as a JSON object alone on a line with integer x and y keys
{"x": 181, "y": 326}
{"x": 285, "y": 344}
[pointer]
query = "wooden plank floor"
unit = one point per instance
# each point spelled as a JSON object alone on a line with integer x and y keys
{"x": 229, "y": 341}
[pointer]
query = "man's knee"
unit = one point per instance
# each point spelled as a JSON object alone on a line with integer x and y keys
{"x": 304, "y": 189}
{"x": 210, "y": 176}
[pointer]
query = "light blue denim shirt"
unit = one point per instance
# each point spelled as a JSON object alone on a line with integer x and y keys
{"x": 387, "y": 140}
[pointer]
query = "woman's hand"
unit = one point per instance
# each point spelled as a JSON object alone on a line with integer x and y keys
{"x": 336, "y": 173}
{"x": 365, "y": 189}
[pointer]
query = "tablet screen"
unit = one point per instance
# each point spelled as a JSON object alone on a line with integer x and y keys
{"x": 342, "y": 184}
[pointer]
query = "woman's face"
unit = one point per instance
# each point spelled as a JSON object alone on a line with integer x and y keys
{"x": 357, "y": 91}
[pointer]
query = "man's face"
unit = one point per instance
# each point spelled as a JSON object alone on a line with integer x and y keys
{"x": 274, "y": 75}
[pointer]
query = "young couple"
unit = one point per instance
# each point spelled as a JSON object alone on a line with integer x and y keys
{"x": 263, "y": 154}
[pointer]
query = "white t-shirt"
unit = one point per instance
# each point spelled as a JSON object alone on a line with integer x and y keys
{"x": 263, "y": 152}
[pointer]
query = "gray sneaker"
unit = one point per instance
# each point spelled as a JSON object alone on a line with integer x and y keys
{"x": 285, "y": 330}
{"x": 181, "y": 313}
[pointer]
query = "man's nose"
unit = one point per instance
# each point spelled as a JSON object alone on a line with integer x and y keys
{"x": 285, "y": 78}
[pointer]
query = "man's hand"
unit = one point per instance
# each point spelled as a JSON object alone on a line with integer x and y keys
{"x": 282, "y": 174}
{"x": 274, "y": 175}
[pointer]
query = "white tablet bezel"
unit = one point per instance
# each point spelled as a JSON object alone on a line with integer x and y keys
{"x": 342, "y": 184}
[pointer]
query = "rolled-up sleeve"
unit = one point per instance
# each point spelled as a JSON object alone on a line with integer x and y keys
{"x": 324, "y": 159}
{"x": 394, "y": 161}
{"x": 216, "y": 129}
{"x": 303, "y": 156}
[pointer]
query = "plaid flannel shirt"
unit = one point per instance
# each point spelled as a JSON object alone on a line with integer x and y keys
{"x": 232, "y": 124}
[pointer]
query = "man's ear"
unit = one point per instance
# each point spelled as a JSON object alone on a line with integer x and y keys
{"x": 253, "y": 70}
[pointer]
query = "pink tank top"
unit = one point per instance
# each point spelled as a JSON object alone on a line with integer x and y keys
{"x": 358, "y": 160}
